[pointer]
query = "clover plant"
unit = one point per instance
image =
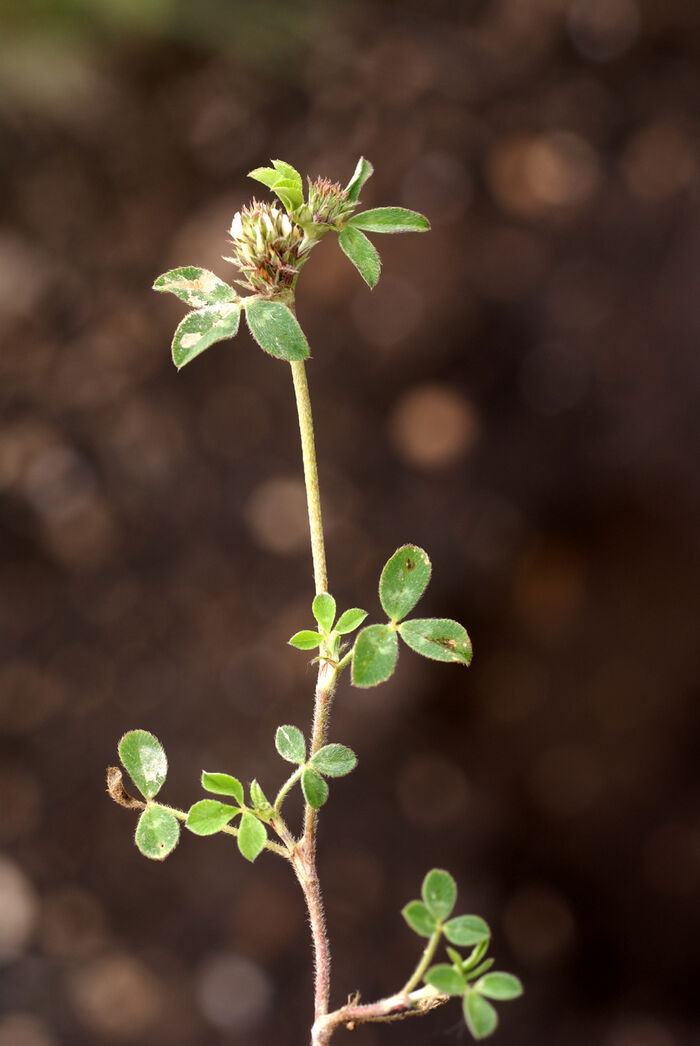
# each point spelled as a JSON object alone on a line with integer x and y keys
{"x": 271, "y": 243}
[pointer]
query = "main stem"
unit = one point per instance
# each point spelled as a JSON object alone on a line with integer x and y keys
{"x": 304, "y": 856}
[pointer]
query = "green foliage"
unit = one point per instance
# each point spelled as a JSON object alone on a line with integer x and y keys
{"x": 362, "y": 253}
{"x": 223, "y": 784}
{"x": 252, "y": 836}
{"x": 363, "y": 171}
{"x": 439, "y": 893}
{"x": 275, "y": 329}
{"x": 209, "y": 816}
{"x": 290, "y": 743}
{"x": 261, "y": 806}
{"x": 437, "y": 638}
{"x": 480, "y": 1015}
{"x": 419, "y": 918}
{"x": 334, "y": 760}
{"x": 314, "y": 788}
{"x": 203, "y": 328}
{"x": 349, "y": 620}
{"x": 499, "y": 986}
{"x": 306, "y": 640}
{"x": 157, "y": 833}
{"x": 389, "y": 219}
{"x": 143, "y": 757}
{"x": 284, "y": 181}
{"x": 197, "y": 287}
{"x": 404, "y": 579}
{"x": 446, "y": 979}
{"x": 374, "y": 655}
{"x": 466, "y": 930}
{"x": 323, "y": 608}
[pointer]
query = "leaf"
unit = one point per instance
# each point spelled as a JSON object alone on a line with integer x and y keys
{"x": 404, "y": 579}
{"x": 480, "y": 1015}
{"x": 223, "y": 784}
{"x": 499, "y": 986}
{"x": 290, "y": 743}
{"x": 252, "y": 836}
{"x": 145, "y": 761}
{"x": 390, "y": 219}
{"x": 261, "y": 804}
{"x": 481, "y": 968}
{"x": 306, "y": 640}
{"x": 197, "y": 287}
{"x": 362, "y": 253}
{"x": 323, "y": 608}
{"x": 363, "y": 171}
{"x": 290, "y": 193}
{"x": 349, "y": 620}
{"x": 478, "y": 952}
{"x": 203, "y": 328}
{"x": 374, "y": 655}
{"x": 157, "y": 833}
{"x": 419, "y": 919}
{"x": 276, "y": 330}
{"x": 314, "y": 788}
{"x": 439, "y": 893}
{"x": 209, "y": 816}
{"x": 267, "y": 175}
{"x": 287, "y": 172}
{"x": 446, "y": 979}
{"x": 334, "y": 760}
{"x": 466, "y": 930}
{"x": 438, "y": 638}
{"x": 455, "y": 956}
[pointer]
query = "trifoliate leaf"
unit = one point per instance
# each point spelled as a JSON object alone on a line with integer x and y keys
{"x": 144, "y": 759}
{"x": 499, "y": 986}
{"x": 363, "y": 171}
{"x": 446, "y": 979}
{"x": 223, "y": 784}
{"x": 419, "y": 918}
{"x": 481, "y": 1018}
{"x": 466, "y": 930}
{"x": 209, "y": 816}
{"x": 157, "y": 833}
{"x": 203, "y": 328}
{"x": 323, "y": 608}
{"x": 362, "y": 253}
{"x": 389, "y": 219}
{"x": 439, "y": 893}
{"x": 306, "y": 640}
{"x": 288, "y": 172}
{"x": 267, "y": 175}
{"x": 276, "y": 330}
{"x": 349, "y": 620}
{"x": 290, "y": 743}
{"x": 252, "y": 836}
{"x": 404, "y": 579}
{"x": 438, "y": 638}
{"x": 314, "y": 788}
{"x": 374, "y": 655}
{"x": 198, "y": 287}
{"x": 334, "y": 760}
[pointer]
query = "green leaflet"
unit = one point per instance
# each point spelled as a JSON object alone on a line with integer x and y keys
{"x": 362, "y": 253}
{"x": 144, "y": 759}
{"x": 157, "y": 833}
{"x": 203, "y": 328}
{"x": 438, "y": 638}
{"x": 374, "y": 655}
{"x": 198, "y": 287}
{"x": 404, "y": 579}
{"x": 276, "y": 330}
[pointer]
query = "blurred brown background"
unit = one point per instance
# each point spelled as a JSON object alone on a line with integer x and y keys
{"x": 519, "y": 396}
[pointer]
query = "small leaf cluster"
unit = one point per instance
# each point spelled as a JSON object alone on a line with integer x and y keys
{"x": 217, "y": 306}
{"x": 330, "y": 632}
{"x": 464, "y": 976}
{"x": 144, "y": 759}
{"x": 331, "y": 760}
{"x": 209, "y": 816}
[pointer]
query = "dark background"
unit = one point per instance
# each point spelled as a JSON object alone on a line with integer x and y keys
{"x": 518, "y": 395}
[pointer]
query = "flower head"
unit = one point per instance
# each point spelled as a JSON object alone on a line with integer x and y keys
{"x": 268, "y": 248}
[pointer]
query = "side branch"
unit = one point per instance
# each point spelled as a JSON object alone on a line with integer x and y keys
{"x": 394, "y": 1008}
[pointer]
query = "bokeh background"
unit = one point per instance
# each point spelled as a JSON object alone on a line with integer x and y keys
{"x": 518, "y": 395}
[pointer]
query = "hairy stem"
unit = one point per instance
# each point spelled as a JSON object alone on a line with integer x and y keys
{"x": 393, "y": 1008}
{"x": 424, "y": 963}
{"x": 229, "y": 829}
{"x": 313, "y": 496}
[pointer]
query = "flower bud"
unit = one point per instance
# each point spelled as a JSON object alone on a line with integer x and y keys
{"x": 328, "y": 202}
